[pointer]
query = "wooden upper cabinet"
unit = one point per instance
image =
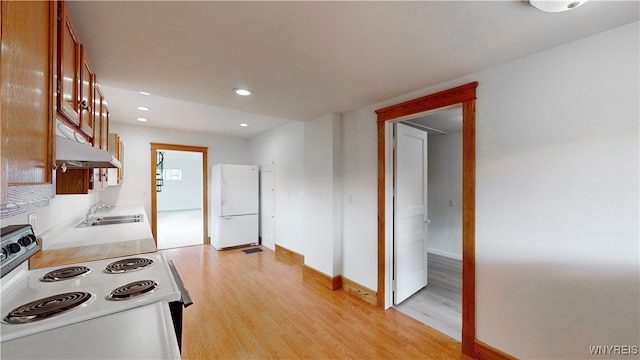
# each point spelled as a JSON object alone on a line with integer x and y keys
{"x": 98, "y": 116}
{"x": 100, "y": 140}
{"x": 27, "y": 108}
{"x": 105, "y": 125}
{"x": 68, "y": 67}
{"x": 86, "y": 93}
{"x": 116, "y": 148}
{"x": 81, "y": 104}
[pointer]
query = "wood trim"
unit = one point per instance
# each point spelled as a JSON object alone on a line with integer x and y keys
{"x": 205, "y": 176}
{"x": 53, "y": 95}
{"x": 438, "y": 100}
{"x": 466, "y": 95}
{"x": 154, "y": 197}
{"x": 293, "y": 256}
{"x": 310, "y": 274}
{"x": 468, "y": 226}
{"x": 381, "y": 214}
{"x": 486, "y": 352}
{"x": 338, "y": 282}
{"x": 361, "y": 292}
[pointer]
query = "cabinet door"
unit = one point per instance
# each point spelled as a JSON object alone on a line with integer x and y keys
{"x": 104, "y": 129}
{"x": 98, "y": 179}
{"x": 116, "y": 148}
{"x": 68, "y": 68}
{"x": 26, "y": 178}
{"x": 86, "y": 93}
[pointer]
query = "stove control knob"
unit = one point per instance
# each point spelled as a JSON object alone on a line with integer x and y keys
{"x": 26, "y": 240}
{"x": 13, "y": 248}
{"x": 4, "y": 254}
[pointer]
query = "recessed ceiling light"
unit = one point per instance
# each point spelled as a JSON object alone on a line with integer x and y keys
{"x": 242, "y": 92}
{"x": 142, "y": 119}
{"x": 244, "y": 125}
{"x": 143, "y": 93}
{"x": 143, "y": 108}
{"x": 556, "y": 5}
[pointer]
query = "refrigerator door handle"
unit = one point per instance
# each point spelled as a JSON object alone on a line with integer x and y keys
{"x": 222, "y": 190}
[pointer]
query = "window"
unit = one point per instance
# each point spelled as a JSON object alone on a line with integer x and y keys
{"x": 172, "y": 174}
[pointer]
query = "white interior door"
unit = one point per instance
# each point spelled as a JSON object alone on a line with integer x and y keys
{"x": 268, "y": 212}
{"x": 410, "y": 212}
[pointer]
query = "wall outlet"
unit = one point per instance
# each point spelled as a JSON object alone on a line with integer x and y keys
{"x": 33, "y": 220}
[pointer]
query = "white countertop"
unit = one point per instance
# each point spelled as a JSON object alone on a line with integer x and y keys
{"x": 68, "y": 235}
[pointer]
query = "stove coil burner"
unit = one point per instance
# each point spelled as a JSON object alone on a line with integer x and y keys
{"x": 131, "y": 290}
{"x": 47, "y": 307}
{"x": 127, "y": 265}
{"x": 65, "y": 273}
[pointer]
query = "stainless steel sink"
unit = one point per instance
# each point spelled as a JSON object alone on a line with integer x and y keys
{"x": 137, "y": 218}
{"x": 113, "y": 220}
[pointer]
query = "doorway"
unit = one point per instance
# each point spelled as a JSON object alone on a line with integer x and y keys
{"x": 464, "y": 95}
{"x": 268, "y": 206}
{"x": 178, "y": 195}
{"x": 439, "y": 302}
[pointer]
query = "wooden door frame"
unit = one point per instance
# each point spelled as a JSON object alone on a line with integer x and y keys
{"x": 465, "y": 95}
{"x": 154, "y": 199}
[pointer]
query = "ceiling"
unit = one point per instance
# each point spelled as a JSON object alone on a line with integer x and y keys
{"x": 305, "y": 59}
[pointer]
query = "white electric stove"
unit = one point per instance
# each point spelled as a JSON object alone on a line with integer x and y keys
{"x": 87, "y": 296}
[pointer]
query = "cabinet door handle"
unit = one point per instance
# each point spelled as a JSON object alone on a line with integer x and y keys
{"x": 84, "y": 104}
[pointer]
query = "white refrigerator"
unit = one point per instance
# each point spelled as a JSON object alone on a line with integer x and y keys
{"x": 234, "y": 205}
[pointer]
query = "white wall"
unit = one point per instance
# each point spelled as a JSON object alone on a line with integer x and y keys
{"x": 186, "y": 193}
{"x": 137, "y": 148}
{"x": 61, "y": 209}
{"x": 360, "y": 188}
{"x": 445, "y": 185}
{"x": 284, "y": 148}
{"x": 557, "y": 178}
{"x": 557, "y": 199}
{"x": 323, "y": 195}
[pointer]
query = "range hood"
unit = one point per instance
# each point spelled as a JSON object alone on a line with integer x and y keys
{"x": 77, "y": 155}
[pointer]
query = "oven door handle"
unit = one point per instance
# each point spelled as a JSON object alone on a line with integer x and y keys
{"x": 186, "y": 298}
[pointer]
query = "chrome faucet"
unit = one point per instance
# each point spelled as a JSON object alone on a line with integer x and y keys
{"x": 92, "y": 211}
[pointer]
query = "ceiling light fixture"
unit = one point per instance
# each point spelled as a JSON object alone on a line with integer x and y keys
{"x": 143, "y": 108}
{"x": 244, "y": 125}
{"x": 142, "y": 119}
{"x": 242, "y": 92}
{"x": 144, "y": 93}
{"x": 556, "y": 5}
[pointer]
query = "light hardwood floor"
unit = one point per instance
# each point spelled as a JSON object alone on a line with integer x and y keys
{"x": 256, "y": 306}
{"x": 439, "y": 304}
{"x": 178, "y": 228}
